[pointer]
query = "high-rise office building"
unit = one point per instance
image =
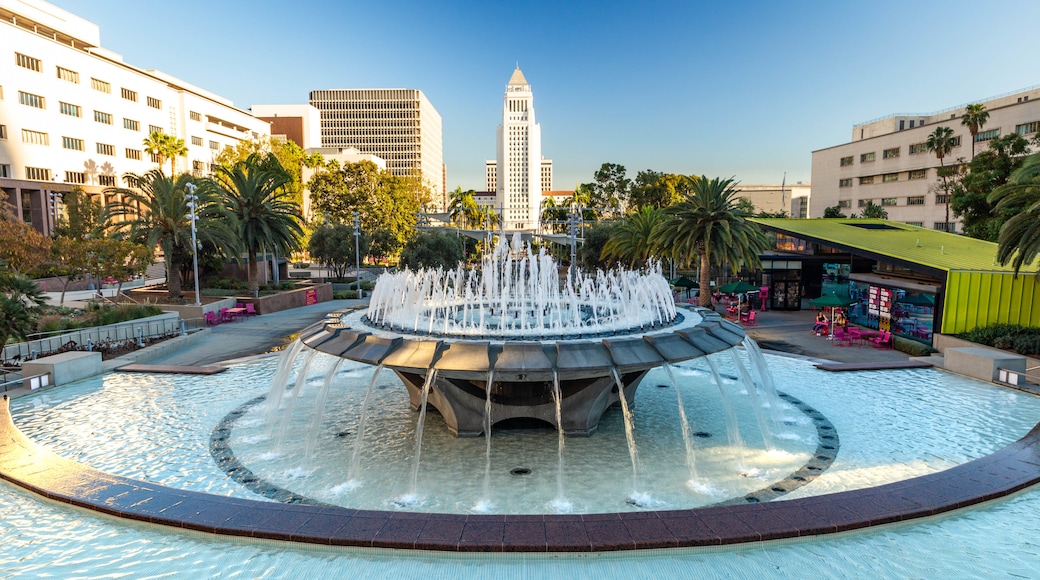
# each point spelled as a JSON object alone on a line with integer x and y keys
{"x": 398, "y": 125}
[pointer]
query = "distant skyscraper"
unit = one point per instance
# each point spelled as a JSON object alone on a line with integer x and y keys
{"x": 398, "y": 125}
{"x": 518, "y": 169}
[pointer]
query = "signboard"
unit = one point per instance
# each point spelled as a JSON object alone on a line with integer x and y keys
{"x": 885, "y": 308}
{"x": 311, "y": 296}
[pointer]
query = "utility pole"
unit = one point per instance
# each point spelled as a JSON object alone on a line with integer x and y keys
{"x": 193, "y": 202}
{"x": 357, "y": 252}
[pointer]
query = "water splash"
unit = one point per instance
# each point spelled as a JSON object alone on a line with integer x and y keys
{"x": 629, "y": 431}
{"x": 355, "y": 458}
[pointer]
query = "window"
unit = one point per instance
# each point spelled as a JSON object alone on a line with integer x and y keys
{"x": 956, "y": 141}
{"x": 918, "y": 174}
{"x": 942, "y": 198}
{"x": 3, "y": 131}
{"x": 845, "y": 182}
{"x": 918, "y": 224}
{"x": 35, "y": 137}
{"x": 890, "y": 153}
{"x": 68, "y": 75}
{"x": 105, "y": 118}
{"x": 37, "y": 174}
{"x": 129, "y": 95}
{"x": 945, "y": 227}
{"x": 915, "y": 200}
{"x": 846, "y": 161}
{"x": 75, "y": 177}
{"x": 1026, "y": 128}
{"x": 844, "y": 203}
{"x": 214, "y": 145}
{"x": 104, "y": 149}
{"x": 197, "y": 166}
{"x": 131, "y": 124}
{"x": 32, "y": 100}
{"x": 154, "y": 129}
{"x": 917, "y": 148}
{"x": 864, "y": 202}
{"x": 154, "y": 103}
{"x": 194, "y": 116}
{"x": 28, "y": 62}
{"x": 987, "y": 135}
{"x": 133, "y": 154}
{"x": 889, "y": 177}
{"x": 100, "y": 85}
{"x": 866, "y": 157}
{"x": 70, "y": 109}
{"x": 866, "y": 180}
{"x": 107, "y": 180}
{"x": 5, "y": 170}
{"x": 155, "y": 158}
{"x": 197, "y": 141}
{"x": 72, "y": 143}
{"x": 888, "y": 201}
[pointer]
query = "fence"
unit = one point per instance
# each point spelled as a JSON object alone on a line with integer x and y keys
{"x": 134, "y": 330}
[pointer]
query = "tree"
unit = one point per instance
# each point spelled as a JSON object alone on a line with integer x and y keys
{"x": 290, "y": 156}
{"x": 333, "y": 246}
{"x": 610, "y": 190}
{"x": 84, "y": 216}
{"x": 1019, "y": 241}
{"x": 20, "y": 300}
{"x": 69, "y": 258}
{"x": 940, "y": 142}
{"x": 432, "y": 250}
{"x": 463, "y": 210}
{"x": 156, "y": 214}
{"x": 833, "y": 212}
{"x": 590, "y": 250}
{"x": 710, "y": 224}
{"x": 656, "y": 189}
{"x": 22, "y": 248}
{"x": 970, "y": 188}
{"x": 874, "y": 211}
{"x": 165, "y": 147}
{"x": 974, "y": 118}
{"x": 633, "y": 240}
{"x": 262, "y": 214}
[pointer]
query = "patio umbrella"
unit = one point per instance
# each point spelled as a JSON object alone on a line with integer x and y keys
{"x": 832, "y": 301}
{"x": 739, "y": 287}
{"x": 683, "y": 282}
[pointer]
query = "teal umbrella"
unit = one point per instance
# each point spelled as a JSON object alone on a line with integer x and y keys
{"x": 739, "y": 287}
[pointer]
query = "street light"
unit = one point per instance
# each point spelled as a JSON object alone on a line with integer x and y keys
{"x": 357, "y": 252}
{"x": 193, "y": 202}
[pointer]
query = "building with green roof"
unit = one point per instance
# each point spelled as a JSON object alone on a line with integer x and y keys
{"x": 950, "y": 282}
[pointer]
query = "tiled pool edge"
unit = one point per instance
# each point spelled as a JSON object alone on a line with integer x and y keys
{"x": 36, "y": 469}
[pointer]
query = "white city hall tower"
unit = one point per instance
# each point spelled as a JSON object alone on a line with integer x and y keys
{"x": 519, "y": 180}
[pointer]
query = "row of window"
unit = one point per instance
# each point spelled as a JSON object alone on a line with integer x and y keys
{"x": 80, "y": 178}
{"x": 940, "y": 199}
{"x": 913, "y": 149}
{"x": 912, "y": 175}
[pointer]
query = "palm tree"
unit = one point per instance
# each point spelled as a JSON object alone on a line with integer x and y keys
{"x": 940, "y": 142}
{"x": 1019, "y": 241}
{"x": 20, "y": 299}
{"x": 156, "y": 214}
{"x": 462, "y": 207}
{"x": 710, "y": 223}
{"x": 974, "y": 118}
{"x": 633, "y": 241}
{"x": 165, "y": 147}
{"x": 263, "y": 215}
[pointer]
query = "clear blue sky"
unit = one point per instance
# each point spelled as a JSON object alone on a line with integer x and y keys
{"x": 746, "y": 89}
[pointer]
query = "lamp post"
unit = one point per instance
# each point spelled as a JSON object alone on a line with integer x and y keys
{"x": 193, "y": 202}
{"x": 357, "y": 252}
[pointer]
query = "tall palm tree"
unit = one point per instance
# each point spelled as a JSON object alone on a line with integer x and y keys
{"x": 709, "y": 223}
{"x": 1019, "y": 241}
{"x": 175, "y": 148}
{"x": 262, "y": 212}
{"x": 156, "y": 214}
{"x": 940, "y": 142}
{"x": 20, "y": 299}
{"x": 462, "y": 207}
{"x": 974, "y": 118}
{"x": 633, "y": 241}
{"x": 165, "y": 147}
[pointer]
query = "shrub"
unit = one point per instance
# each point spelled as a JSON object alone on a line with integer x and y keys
{"x": 911, "y": 347}
{"x": 344, "y": 295}
{"x": 226, "y": 284}
{"x": 1023, "y": 339}
{"x": 1027, "y": 344}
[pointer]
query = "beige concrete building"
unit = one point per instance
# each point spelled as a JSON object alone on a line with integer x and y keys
{"x": 887, "y": 162}
{"x": 774, "y": 198}
{"x": 400, "y": 126}
{"x": 73, "y": 114}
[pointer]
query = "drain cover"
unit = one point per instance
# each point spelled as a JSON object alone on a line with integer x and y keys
{"x": 520, "y": 471}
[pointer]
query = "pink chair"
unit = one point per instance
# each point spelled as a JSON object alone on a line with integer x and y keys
{"x": 854, "y": 335}
{"x": 225, "y": 316}
{"x": 211, "y": 318}
{"x": 839, "y": 336}
{"x": 251, "y": 309}
{"x": 749, "y": 319}
{"x": 883, "y": 340}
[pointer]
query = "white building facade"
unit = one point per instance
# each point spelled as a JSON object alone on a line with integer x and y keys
{"x": 887, "y": 162}
{"x": 73, "y": 114}
{"x": 400, "y": 126}
{"x": 518, "y": 167}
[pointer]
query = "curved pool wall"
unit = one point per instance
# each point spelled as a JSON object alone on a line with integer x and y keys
{"x": 28, "y": 465}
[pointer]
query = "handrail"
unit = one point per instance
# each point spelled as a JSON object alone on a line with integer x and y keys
{"x": 948, "y": 109}
{"x": 21, "y": 380}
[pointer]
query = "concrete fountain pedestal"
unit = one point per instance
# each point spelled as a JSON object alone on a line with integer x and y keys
{"x": 523, "y": 374}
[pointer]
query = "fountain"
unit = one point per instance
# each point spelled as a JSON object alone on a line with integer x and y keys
{"x": 591, "y": 339}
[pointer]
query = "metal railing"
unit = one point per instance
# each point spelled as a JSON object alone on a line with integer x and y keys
{"x": 15, "y": 354}
{"x": 948, "y": 109}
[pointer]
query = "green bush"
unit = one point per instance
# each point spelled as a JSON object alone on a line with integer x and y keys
{"x": 911, "y": 347}
{"x": 226, "y": 284}
{"x": 1027, "y": 344}
{"x": 344, "y": 295}
{"x": 1023, "y": 339}
{"x": 96, "y": 314}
